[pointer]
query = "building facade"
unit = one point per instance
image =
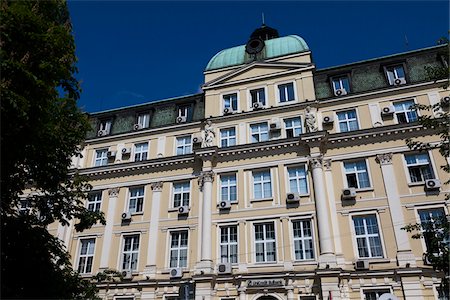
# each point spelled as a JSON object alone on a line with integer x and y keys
{"x": 278, "y": 181}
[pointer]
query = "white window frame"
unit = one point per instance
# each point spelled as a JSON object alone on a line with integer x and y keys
{"x": 259, "y": 133}
{"x": 374, "y": 289}
{"x": 103, "y": 158}
{"x": 140, "y": 153}
{"x": 143, "y": 119}
{"x": 303, "y": 239}
{"x": 227, "y": 138}
{"x": 293, "y": 127}
{"x": 347, "y": 120}
{"x": 265, "y": 241}
{"x": 344, "y": 172}
{"x": 228, "y": 186}
{"x": 418, "y": 221}
{"x": 405, "y": 111}
{"x": 105, "y": 125}
{"x": 277, "y": 92}
{"x": 339, "y": 79}
{"x": 249, "y": 96}
{"x": 406, "y": 167}
{"x": 96, "y": 201}
{"x": 183, "y": 191}
{"x": 222, "y": 100}
{"x": 354, "y": 237}
{"x": 262, "y": 185}
{"x": 288, "y": 185}
{"x": 137, "y": 199}
{"x": 86, "y": 256}
{"x": 130, "y": 252}
{"x": 183, "y": 146}
{"x": 179, "y": 248}
{"x": 183, "y": 110}
{"x": 394, "y": 72}
{"x": 228, "y": 243}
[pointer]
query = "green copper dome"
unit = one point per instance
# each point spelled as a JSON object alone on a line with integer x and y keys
{"x": 273, "y": 48}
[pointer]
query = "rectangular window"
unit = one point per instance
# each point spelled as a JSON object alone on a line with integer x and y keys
{"x": 94, "y": 201}
{"x": 259, "y": 132}
{"x": 293, "y": 127}
{"x": 178, "y": 249}
{"x": 140, "y": 151}
{"x": 297, "y": 180}
{"x": 143, "y": 119}
{"x": 24, "y": 206}
{"x": 396, "y": 74}
{"x": 347, "y": 120}
{"x": 367, "y": 236}
{"x": 374, "y": 294}
{"x": 262, "y": 185}
{"x": 228, "y": 244}
{"x": 286, "y": 92}
{"x": 136, "y": 201}
{"x": 357, "y": 174}
{"x": 86, "y": 256}
{"x": 227, "y": 137}
{"x": 265, "y": 243}
{"x": 342, "y": 84}
{"x": 184, "y": 145}
{"x": 181, "y": 193}
{"x": 419, "y": 167}
{"x": 104, "y": 127}
{"x": 184, "y": 111}
{"x": 230, "y": 101}
{"x": 303, "y": 239}
{"x": 258, "y": 95}
{"x": 427, "y": 219}
{"x": 101, "y": 157}
{"x": 228, "y": 190}
{"x": 130, "y": 252}
{"x": 404, "y": 112}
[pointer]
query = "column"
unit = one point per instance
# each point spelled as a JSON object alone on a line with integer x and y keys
{"x": 150, "y": 268}
{"x": 323, "y": 215}
{"x": 107, "y": 237}
{"x": 404, "y": 254}
{"x": 206, "y": 179}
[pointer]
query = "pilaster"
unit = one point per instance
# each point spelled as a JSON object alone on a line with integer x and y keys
{"x": 113, "y": 195}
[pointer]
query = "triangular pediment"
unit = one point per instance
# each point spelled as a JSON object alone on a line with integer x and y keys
{"x": 258, "y": 71}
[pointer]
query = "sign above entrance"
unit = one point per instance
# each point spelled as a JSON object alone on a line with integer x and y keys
{"x": 264, "y": 282}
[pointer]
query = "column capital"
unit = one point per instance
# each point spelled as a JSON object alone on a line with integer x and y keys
{"x": 316, "y": 162}
{"x": 205, "y": 176}
{"x": 327, "y": 164}
{"x": 114, "y": 192}
{"x": 157, "y": 186}
{"x": 384, "y": 159}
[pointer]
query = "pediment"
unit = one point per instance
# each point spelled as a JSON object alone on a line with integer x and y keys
{"x": 257, "y": 71}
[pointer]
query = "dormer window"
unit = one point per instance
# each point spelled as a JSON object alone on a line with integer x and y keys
{"x": 230, "y": 101}
{"x": 396, "y": 74}
{"x": 257, "y": 96}
{"x": 184, "y": 113}
{"x": 142, "y": 121}
{"x": 341, "y": 85}
{"x": 104, "y": 128}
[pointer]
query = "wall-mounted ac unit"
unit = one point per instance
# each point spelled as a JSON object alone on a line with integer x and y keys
{"x": 432, "y": 184}
{"x": 176, "y": 273}
{"x": 340, "y": 92}
{"x": 127, "y": 274}
{"x": 111, "y": 153}
{"x": 224, "y": 204}
{"x": 126, "y": 216}
{"x": 257, "y": 105}
{"x": 126, "y": 151}
{"x": 361, "y": 265}
{"x": 388, "y": 110}
{"x": 228, "y": 111}
{"x": 197, "y": 139}
{"x": 137, "y": 126}
{"x": 445, "y": 101}
{"x": 181, "y": 119}
{"x": 327, "y": 120}
{"x": 348, "y": 193}
{"x": 224, "y": 268}
{"x": 399, "y": 81}
{"x": 292, "y": 197}
{"x": 182, "y": 210}
{"x": 102, "y": 132}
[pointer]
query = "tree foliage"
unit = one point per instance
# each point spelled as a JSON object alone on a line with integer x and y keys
{"x": 41, "y": 129}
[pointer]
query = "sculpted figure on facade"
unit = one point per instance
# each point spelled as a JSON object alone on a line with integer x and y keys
{"x": 310, "y": 120}
{"x": 208, "y": 134}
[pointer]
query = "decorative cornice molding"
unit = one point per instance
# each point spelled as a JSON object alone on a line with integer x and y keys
{"x": 316, "y": 162}
{"x": 114, "y": 192}
{"x": 385, "y": 159}
{"x": 157, "y": 186}
{"x": 205, "y": 176}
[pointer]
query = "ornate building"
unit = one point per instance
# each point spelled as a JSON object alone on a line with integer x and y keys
{"x": 278, "y": 181}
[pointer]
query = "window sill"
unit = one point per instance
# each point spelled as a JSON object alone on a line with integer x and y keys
{"x": 175, "y": 209}
{"x": 286, "y": 102}
{"x": 87, "y": 275}
{"x": 261, "y": 200}
{"x": 139, "y": 213}
{"x": 369, "y": 189}
{"x": 305, "y": 262}
{"x": 376, "y": 260}
{"x": 419, "y": 183}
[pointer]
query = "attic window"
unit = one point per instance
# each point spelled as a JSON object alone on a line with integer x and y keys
{"x": 142, "y": 120}
{"x": 104, "y": 127}
{"x": 395, "y": 74}
{"x": 184, "y": 113}
{"x": 340, "y": 85}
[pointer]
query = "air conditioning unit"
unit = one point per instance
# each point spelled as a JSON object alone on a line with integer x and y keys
{"x": 176, "y": 273}
{"x": 388, "y": 110}
{"x": 275, "y": 126}
{"x": 181, "y": 119}
{"x": 349, "y": 193}
{"x": 292, "y": 197}
{"x": 197, "y": 139}
{"x": 328, "y": 120}
{"x": 182, "y": 210}
{"x": 361, "y": 265}
{"x": 224, "y": 268}
{"x": 257, "y": 105}
{"x": 137, "y": 126}
{"x": 432, "y": 184}
{"x": 228, "y": 111}
{"x": 224, "y": 204}
{"x": 126, "y": 216}
{"x": 340, "y": 92}
{"x": 445, "y": 101}
{"x": 127, "y": 274}
{"x": 399, "y": 81}
{"x": 111, "y": 154}
{"x": 126, "y": 150}
{"x": 102, "y": 132}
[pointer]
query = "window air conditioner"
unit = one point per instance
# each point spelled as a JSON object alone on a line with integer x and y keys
{"x": 127, "y": 274}
{"x": 348, "y": 193}
{"x": 340, "y": 92}
{"x": 274, "y": 126}
{"x": 228, "y": 110}
{"x": 445, "y": 101}
{"x": 388, "y": 110}
{"x": 126, "y": 150}
{"x": 432, "y": 184}
{"x": 257, "y": 105}
{"x": 292, "y": 197}
{"x": 399, "y": 81}
{"x": 126, "y": 216}
{"x": 176, "y": 273}
{"x": 224, "y": 268}
{"x": 181, "y": 119}
{"x": 111, "y": 154}
{"x": 182, "y": 210}
{"x": 137, "y": 126}
{"x": 361, "y": 265}
{"x": 328, "y": 120}
{"x": 102, "y": 132}
{"x": 197, "y": 139}
{"x": 224, "y": 204}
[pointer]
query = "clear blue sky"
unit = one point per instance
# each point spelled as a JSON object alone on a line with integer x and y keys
{"x": 137, "y": 52}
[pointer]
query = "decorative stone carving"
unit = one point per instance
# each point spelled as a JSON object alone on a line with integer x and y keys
{"x": 384, "y": 159}
{"x": 315, "y": 162}
{"x": 157, "y": 186}
{"x": 114, "y": 192}
{"x": 327, "y": 164}
{"x": 206, "y": 176}
{"x": 310, "y": 119}
{"x": 208, "y": 134}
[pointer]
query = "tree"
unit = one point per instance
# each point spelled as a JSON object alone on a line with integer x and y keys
{"x": 41, "y": 130}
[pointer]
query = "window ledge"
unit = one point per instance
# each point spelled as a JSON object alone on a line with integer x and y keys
{"x": 264, "y": 264}
{"x": 139, "y": 213}
{"x": 419, "y": 183}
{"x": 369, "y": 189}
{"x": 376, "y": 260}
{"x": 261, "y": 200}
{"x": 286, "y": 102}
{"x": 305, "y": 262}
{"x": 87, "y": 275}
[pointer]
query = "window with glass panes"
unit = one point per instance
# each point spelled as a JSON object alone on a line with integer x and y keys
{"x": 178, "y": 249}
{"x": 230, "y": 101}
{"x": 293, "y": 127}
{"x": 258, "y": 95}
{"x": 130, "y": 252}
{"x": 101, "y": 157}
{"x": 86, "y": 256}
{"x": 297, "y": 180}
{"x": 262, "y": 184}
{"x": 368, "y": 239}
{"x": 259, "y": 132}
{"x": 341, "y": 83}
{"x": 347, "y": 120}
{"x": 228, "y": 244}
{"x": 227, "y": 137}
{"x": 303, "y": 239}
{"x": 286, "y": 92}
{"x": 140, "y": 151}
{"x": 265, "y": 243}
{"x": 374, "y": 294}
{"x": 181, "y": 193}
{"x": 94, "y": 201}
{"x": 419, "y": 167}
{"x": 105, "y": 126}
{"x": 427, "y": 219}
{"x": 357, "y": 174}
{"x": 136, "y": 200}
{"x": 404, "y": 113}
{"x": 184, "y": 145}
{"x": 143, "y": 119}
{"x": 228, "y": 190}
{"x": 395, "y": 72}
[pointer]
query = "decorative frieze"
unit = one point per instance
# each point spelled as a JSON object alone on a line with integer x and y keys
{"x": 384, "y": 159}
